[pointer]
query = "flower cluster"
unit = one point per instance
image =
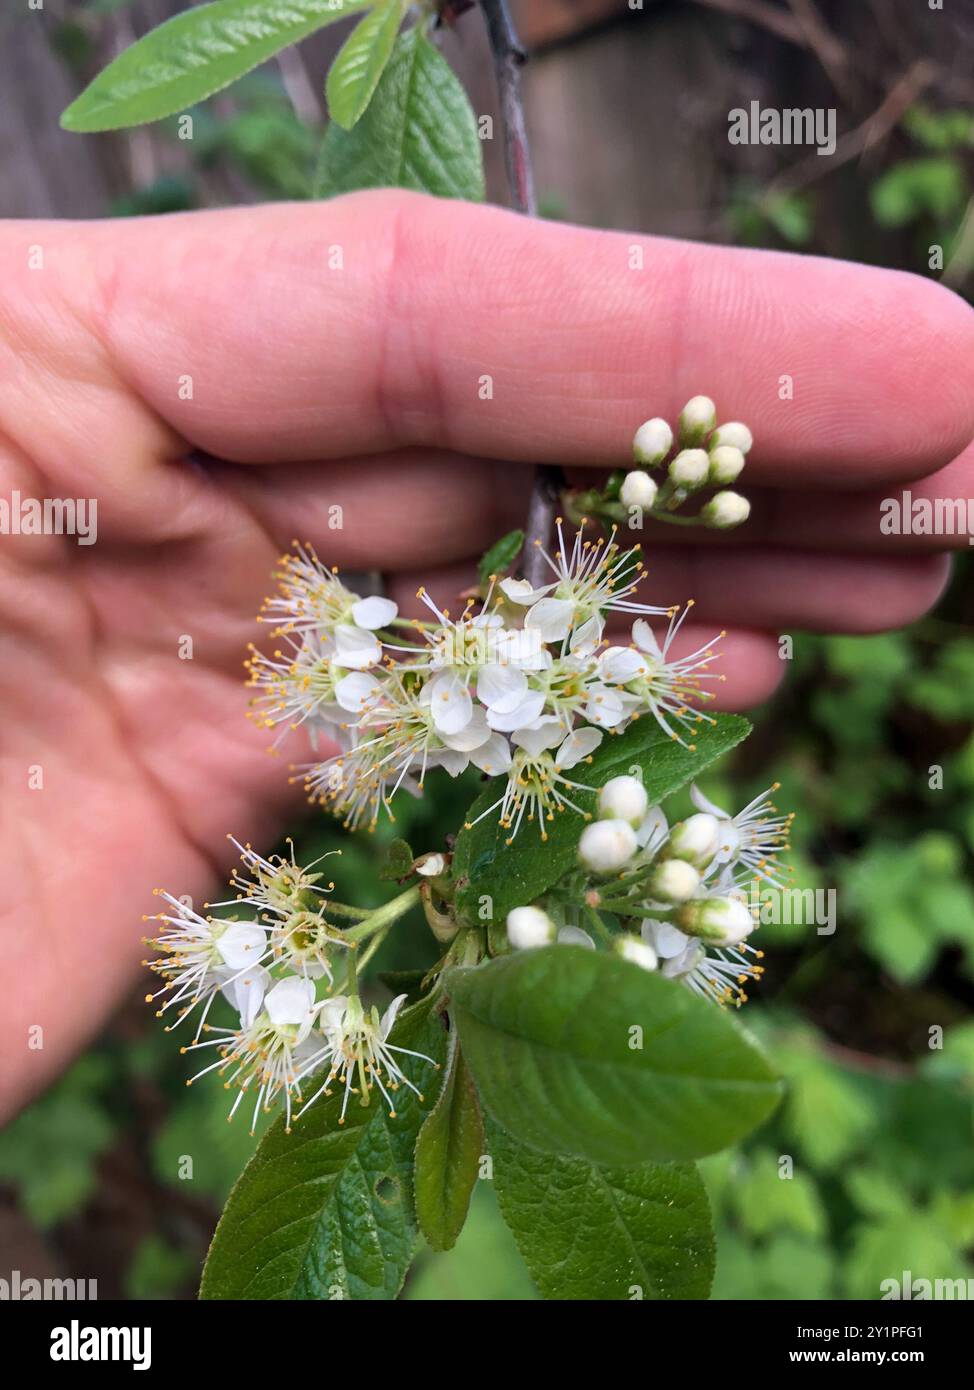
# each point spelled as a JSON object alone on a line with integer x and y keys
{"x": 680, "y": 891}
{"x": 274, "y": 960}
{"x": 523, "y": 684}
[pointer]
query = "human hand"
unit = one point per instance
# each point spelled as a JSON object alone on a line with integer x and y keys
{"x": 359, "y": 387}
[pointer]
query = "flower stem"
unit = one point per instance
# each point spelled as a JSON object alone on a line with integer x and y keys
{"x": 385, "y": 915}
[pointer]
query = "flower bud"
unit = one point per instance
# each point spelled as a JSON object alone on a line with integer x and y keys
{"x": 717, "y": 921}
{"x": 638, "y": 952}
{"x": 431, "y": 865}
{"x": 623, "y": 798}
{"x": 638, "y": 490}
{"x": 697, "y": 418}
{"x": 735, "y": 434}
{"x": 652, "y": 442}
{"x": 695, "y": 839}
{"x": 607, "y": 845}
{"x": 690, "y": 468}
{"x": 673, "y": 881}
{"x": 726, "y": 464}
{"x": 528, "y": 927}
{"x": 724, "y": 510}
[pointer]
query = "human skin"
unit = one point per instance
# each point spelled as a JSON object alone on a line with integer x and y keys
{"x": 360, "y": 387}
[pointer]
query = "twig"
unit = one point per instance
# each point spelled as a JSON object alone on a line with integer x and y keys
{"x": 509, "y": 57}
{"x": 298, "y": 87}
{"x": 542, "y": 509}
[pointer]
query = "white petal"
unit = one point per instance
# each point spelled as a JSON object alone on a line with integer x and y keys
{"x": 621, "y": 665}
{"x": 604, "y": 707}
{"x": 654, "y": 828}
{"x": 450, "y": 704}
{"x": 574, "y": 936}
{"x": 578, "y": 745}
{"x": 241, "y": 944}
{"x": 450, "y": 760}
{"x": 666, "y": 940}
{"x": 645, "y": 639}
{"x": 546, "y": 733}
{"x": 355, "y": 648}
{"x": 246, "y": 993}
{"x": 391, "y": 1014}
{"x": 522, "y": 591}
{"x": 354, "y": 692}
{"x": 702, "y": 803}
{"x": 501, "y": 687}
{"x": 587, "y": 637}
{"x": 526, "y": 713}
{"x": 552, "y": 617}
{"x": 290, "y": 1001}
{"x": 374, "y": 612}
{"x": 475, "y": 732}
{"x": 493, "y": 757}
{"x": 520, "y": 646}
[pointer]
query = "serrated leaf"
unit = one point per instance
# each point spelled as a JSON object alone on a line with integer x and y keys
{"x": 501, "y": 555}
{"x": 354, "y": 75}
{"x": 549, "y": 1037}
{"x": 485, "y": 866}
{"x": 419, "y": 131}
{"x": 195, "y": 54}
{"x": 605, "y": 1233}
{"x": 448, "y": 1154}
{"x": 326, "y": 1212}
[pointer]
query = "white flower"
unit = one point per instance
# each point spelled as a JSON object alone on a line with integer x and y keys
{"x": 357, "y": 1053}
{"x": 726, "y": 464}
{"x": 697, "y": 418}
{"x": 606, "y": 846}
{"x": 735, "y": 434}
{"x": 431, "y": 865}
{"x": 245, "y": 991}
{"x": 529, "y": 927}
{"x": 649, "y": 682}
{"x": 536, "y": 784}
{"x": 624, "y": 798}
{"x": 718, "y": 975}
{"x": 725, "y": 510}
{"x": 690, "y": 468}
{"x": 199, "y": 955}
{"x": 652, "y": 442}
{"x": 638, "y": 490}
{"x": 639, "y": 952}
{"x": 753, "y": 838}
{"x": 268, "y": 1054}
{"x": 695, "y": 839}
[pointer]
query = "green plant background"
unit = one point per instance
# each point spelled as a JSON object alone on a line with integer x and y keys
{"x": 877, "y": 1124}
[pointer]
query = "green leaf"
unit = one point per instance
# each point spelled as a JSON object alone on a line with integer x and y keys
{"x": 485, "y": 867}
{"x": 355, "y": 73}
{"x": 195, "y": 54}
{"x": 326, "y": 1212}
{"x": 419, "y": 131}
{"x": 591, "y": 1233}
{"x": 501, "y": 555}
{"x": 448, "y": 1154}
{"x": 398, "y": 861}
{"x": 553, "y": 1039}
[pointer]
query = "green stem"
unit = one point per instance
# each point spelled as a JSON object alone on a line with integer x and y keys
{"x": 385, "y": 915}
{"x": 357, "y": 914}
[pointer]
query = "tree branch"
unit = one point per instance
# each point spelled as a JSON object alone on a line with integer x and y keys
{"x": 509, "y": 57}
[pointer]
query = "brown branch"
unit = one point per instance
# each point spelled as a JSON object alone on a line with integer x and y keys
{"x": 509, "y": 57}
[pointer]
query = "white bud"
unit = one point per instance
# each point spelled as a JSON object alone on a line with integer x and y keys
{"x": 639, "y": 952}
{"x": 607, "y": 845}
{"x": 735, "y": 434}
{"x": 673, "y": 881}
{"x": 724, "y": 510}
{"x": 695, "y": 839}
{"x": 638, "y": 490}
{"x": 652, "y": 442}
{"x": 623, "y": 798}
{"x": 528, "y": 927}
{"x": 690, "y": 468}
{"x": 718, "y": 921}
{"x": 697, "y": 418}
{"x": 431, "y": 865}
{"x": 726, "y": 463}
